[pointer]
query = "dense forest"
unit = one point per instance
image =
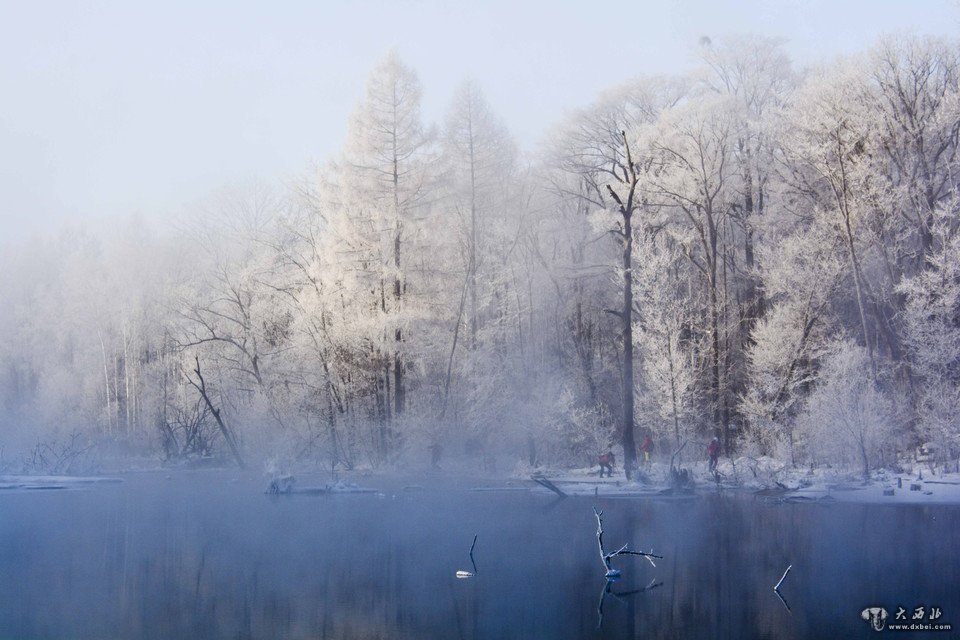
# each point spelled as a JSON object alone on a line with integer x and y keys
{"x": 754, "y": 250}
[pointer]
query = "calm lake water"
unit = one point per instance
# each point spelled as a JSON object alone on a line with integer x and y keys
{"x": 208, "y": 555}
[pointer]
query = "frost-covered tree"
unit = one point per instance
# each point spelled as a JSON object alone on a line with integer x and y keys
{"x": 755, "y": 73}
{"x": 382, "y": 182}
{"x": 690, "y": 176}
{"x": 828, "y": 140}
{"x": 664, "y": 338}
{"x": 801, "y": 281}
{"x": 476, "y": 245}
{"x": 914, "y": 99}
{"x": 233, "y": 314}
{"x": 479, "y": 159}
{"x": 848, "y": 419}
{"x": 931, "y": 320}
{"x": 595, "y": 148}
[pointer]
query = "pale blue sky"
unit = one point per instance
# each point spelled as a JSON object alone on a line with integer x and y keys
{"x": 108, "y": 108}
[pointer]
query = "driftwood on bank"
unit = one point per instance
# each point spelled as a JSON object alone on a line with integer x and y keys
{"x": 543, "y": 482}
{"x": 285, "y": 485}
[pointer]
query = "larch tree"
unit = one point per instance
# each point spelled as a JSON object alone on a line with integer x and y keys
{"x": 385, "y": 164}
{"x": 476, "y": 229}
{"x": 479, "y": 159}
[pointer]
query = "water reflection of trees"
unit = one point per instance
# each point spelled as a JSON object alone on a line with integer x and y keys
{"x": 204, "y": 561}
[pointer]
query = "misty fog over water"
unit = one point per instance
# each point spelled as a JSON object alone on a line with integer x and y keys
{"x": 207, "y": 554}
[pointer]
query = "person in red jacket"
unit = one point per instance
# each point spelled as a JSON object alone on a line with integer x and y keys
{"x": 606, "y": 462}
{"x": 645, "y": 448}
{"x": 713, "y": 450}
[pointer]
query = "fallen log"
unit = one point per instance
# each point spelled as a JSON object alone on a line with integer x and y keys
{"x": 542, "y": 481}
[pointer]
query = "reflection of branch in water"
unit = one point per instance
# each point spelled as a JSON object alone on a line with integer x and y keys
{"x": 552, "y": 504}
{"x": 466, "y": 574}
{"x": 783, "y": 600}
{"x": 472, "y": 561}
{"x": 608, "y": 589}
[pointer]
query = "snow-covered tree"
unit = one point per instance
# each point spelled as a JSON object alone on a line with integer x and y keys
{"x": 691, "y": 177}
{"x": 383, "y": 180}
{"x": 597, "y": 147}
{"x": 827, "y": 142}
{"x": 801, "y": 281}
{"x": 664, "y": 318}
{"x": 931, "y": 319}
{"x": 848, "y": 419}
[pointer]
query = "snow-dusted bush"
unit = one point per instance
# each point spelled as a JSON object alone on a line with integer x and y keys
{"x": 581, "y": 430}
{"x": 848, "y": 420}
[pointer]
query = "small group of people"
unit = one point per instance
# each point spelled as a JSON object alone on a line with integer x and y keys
{"x": 607, "y": 460}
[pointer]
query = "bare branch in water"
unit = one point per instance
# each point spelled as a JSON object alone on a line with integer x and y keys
{"x": 777, "y": 587}
{"x": 622, "y": 551}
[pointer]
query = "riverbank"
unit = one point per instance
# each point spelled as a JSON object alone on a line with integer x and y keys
{"x": 763, "y": 478}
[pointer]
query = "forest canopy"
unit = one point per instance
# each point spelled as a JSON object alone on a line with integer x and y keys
{"x": 758, "y": 251}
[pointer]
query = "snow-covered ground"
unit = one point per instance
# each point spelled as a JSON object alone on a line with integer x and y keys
{"x": 764, "y": 478}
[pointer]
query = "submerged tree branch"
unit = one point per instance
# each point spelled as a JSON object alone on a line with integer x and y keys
{"x": 624, "y": 550}
{"x": 777, "y": 586}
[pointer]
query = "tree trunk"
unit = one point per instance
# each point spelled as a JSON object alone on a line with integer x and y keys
{"x": 398, "y": 389}
{"x": 227, "y": 434}
{"x": 629, "y": 444}
{"x": 673, "y": 391}
{"x": 106, "y": 382}
{"x": 857, "y": 287}
{"x": 473, "y": 241}
{"x": 626, "y": 208}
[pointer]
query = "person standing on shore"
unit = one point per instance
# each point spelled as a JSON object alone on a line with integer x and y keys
{"x": 713, "y": 451}
{"x": 646, "y": 448}
{"x": 606, "y": 462}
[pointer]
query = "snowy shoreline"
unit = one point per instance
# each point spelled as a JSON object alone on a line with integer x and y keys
{"x": 767, "y": 481}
